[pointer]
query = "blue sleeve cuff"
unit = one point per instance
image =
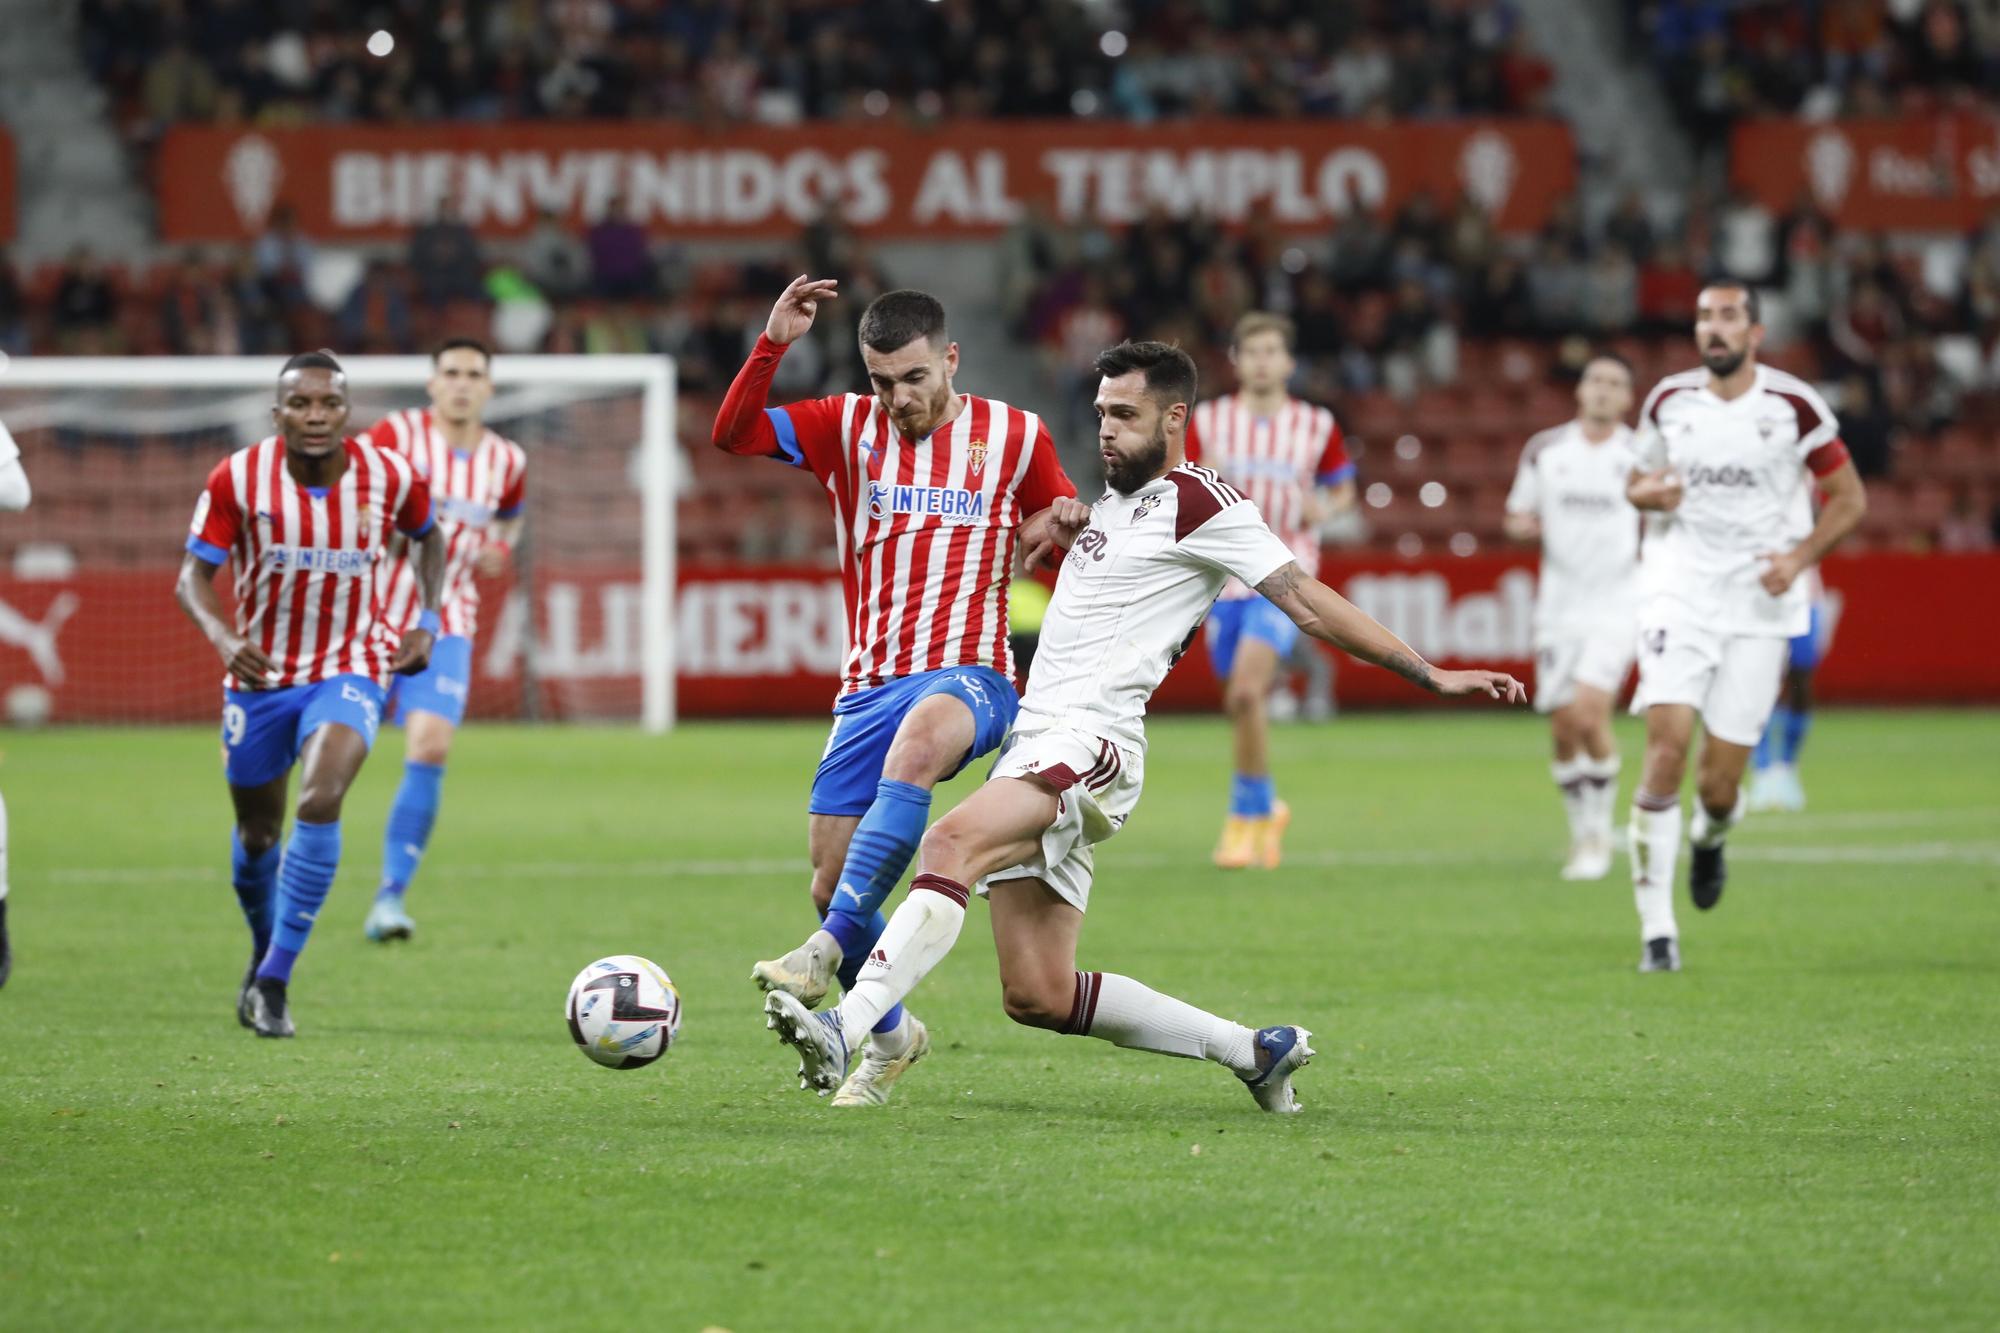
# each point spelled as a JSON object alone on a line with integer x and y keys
{"x": 511, "y": 512}
{"x": 1345, "y": 472}
{"x": 208, "y": 551}
{"x": 430, "y": 621}
{"x": 430, "y": 522}
{"x": 788, "y": 436}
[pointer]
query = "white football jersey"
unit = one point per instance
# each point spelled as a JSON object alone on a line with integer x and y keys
{"x": 1590, "y": 531}
{"x": 1743, "y": 466}
{"x": 1133, "y": 591}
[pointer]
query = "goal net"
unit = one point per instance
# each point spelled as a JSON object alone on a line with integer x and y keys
{"x": 118, "y": 448}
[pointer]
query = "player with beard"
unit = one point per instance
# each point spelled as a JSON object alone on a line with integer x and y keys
{"x": 1728, "y": 455}
{"x": 1145, "y": 564}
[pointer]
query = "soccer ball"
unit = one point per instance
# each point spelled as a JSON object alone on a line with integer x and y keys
{"x": 623, "y": 1011}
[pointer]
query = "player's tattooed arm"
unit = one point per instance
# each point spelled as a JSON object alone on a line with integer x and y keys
{"x": 413, "y": 654}
{"x": 195, "y": 591}
{"x": 1846, "y": 501}
{"x": 1326, "y": 615}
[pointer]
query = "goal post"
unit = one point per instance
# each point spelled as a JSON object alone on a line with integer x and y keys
{"x": 116, "y": 448}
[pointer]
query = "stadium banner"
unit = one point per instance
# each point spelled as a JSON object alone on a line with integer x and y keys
{"x": 8, "y": 222}
{"x": 963, "y": 179}
{"x": 1913, "y": 173}
{"x": 1905, "y": 628}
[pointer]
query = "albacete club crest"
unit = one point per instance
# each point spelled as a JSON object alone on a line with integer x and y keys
{"x": 1147, "y": 506}
{"x": 975, "y": 456}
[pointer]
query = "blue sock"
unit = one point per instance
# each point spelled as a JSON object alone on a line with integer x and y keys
{"x": 410, "y": 821}
{"x": 256, "y": 881}
{"x": 1767, "y": 744}
{"x": 1253, "y": 798}
{"x": 1793, "y": 736}
{"x": 311, "y": 858}
{"x": 877, "y": 856}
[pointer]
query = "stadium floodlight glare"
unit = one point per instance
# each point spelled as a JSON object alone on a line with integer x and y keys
{"x": 380, "y": 43}
{"x": 143, "y": 431}
{"x": 1112, "y": 43}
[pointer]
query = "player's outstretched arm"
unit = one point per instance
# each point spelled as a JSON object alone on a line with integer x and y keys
{"x": 1846, "y": 501}
{"x": 1326, "y": 615}
{"x": 195, "y": 591}
{"x": 741, "y": 424}
{"x": 413, "y": 654}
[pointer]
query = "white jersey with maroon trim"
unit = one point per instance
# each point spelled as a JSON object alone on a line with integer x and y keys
{"x": 1590, "y": 531}
{"x": 925, "y": 528}
{"x": 471, "y": 490}
{"x": 1276, "y": 461}
{"x": 1132, "y": 592}
{"x": 1743, "y": 467}
{"x": 306, "y": 557}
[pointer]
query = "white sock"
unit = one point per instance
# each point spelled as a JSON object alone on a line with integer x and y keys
{"x": 1127, "y": 1013}
{"x": 1568, "y": 774}
{"x": 1656, "y": 844}
{"x": 1600, "y": 787}
{"x": 3, "y": 849}
{"x": 896, "y": 1040}
{"x": 920, "y": 933}
{"x": 1707, "y": 831}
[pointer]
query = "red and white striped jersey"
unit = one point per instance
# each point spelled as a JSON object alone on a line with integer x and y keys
{"x": 925, "y": 528}
{"x": 306, "y": 556}
{"x": 471, "y": 490}
{"x": 1275, "y": 461}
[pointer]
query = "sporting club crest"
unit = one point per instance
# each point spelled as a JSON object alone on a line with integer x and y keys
{"x": 975, "y": 456}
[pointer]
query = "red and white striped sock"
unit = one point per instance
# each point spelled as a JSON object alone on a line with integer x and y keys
{"x": 1127, "y": 1013}
{"x": 920, "y": 933}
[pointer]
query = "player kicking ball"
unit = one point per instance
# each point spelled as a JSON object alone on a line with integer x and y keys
{"x": 1569, "y": 495}
{"x": 478, "y": 484}
{"x": 1724, "y": 457}
{"x": 1144, "y": 566}
{"x": 304, "y": 517}
{"x": 1289, "y": 459}
{"x": 929, "y": 487}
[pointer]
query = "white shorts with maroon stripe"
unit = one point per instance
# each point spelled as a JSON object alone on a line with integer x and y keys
{"x": 1099, "y": 784}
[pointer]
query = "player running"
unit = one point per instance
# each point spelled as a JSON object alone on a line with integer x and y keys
{"x": 305, "y": 516}
{"x": 1724, "y": 453}
{"x": 1288, "y": 458}
{"x": 1144, "y": 566}
{"x": 14, "y": 496}
{"x": 1569, "y": 494}
{"x": 928, "y": 487}
{"x": 478, "y": 485}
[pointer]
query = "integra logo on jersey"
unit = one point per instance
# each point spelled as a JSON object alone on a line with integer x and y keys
{"x": 470, "y": 513}
{"x": 1727, "y": 475}
{"x": 318, "y": 559}
{"x": 951, "y": 503}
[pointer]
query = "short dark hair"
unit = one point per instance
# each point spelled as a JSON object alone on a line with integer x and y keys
{"x": 320, "y": 360}
{"x": 1170, "y": 372}
{"x": 896, "y": 319}
{"x": 1753, "y": 305}
{"x": 454, "y": 344}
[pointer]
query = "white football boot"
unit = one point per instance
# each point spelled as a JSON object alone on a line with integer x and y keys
{"x": 1589, "y": 858}
{"x": 1272, "y": 1086}
{"x": 806, "y": 973}
{"x": 875, "y": 1077}
{"x": 822, "y": 1046}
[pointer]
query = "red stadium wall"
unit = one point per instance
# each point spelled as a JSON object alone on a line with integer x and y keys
{"x": 966, "y": 178}
{"x": 1914, "y": 173}
{"x": 1909, "y": 629}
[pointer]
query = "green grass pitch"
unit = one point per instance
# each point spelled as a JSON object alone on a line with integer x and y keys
{"x": 1506, "y": 1126}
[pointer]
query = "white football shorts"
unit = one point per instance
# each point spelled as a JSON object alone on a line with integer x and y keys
{"x": 1600, "y": 658}
{"x": 1098, "y": 782}
{"x": 1732, "y": 680}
